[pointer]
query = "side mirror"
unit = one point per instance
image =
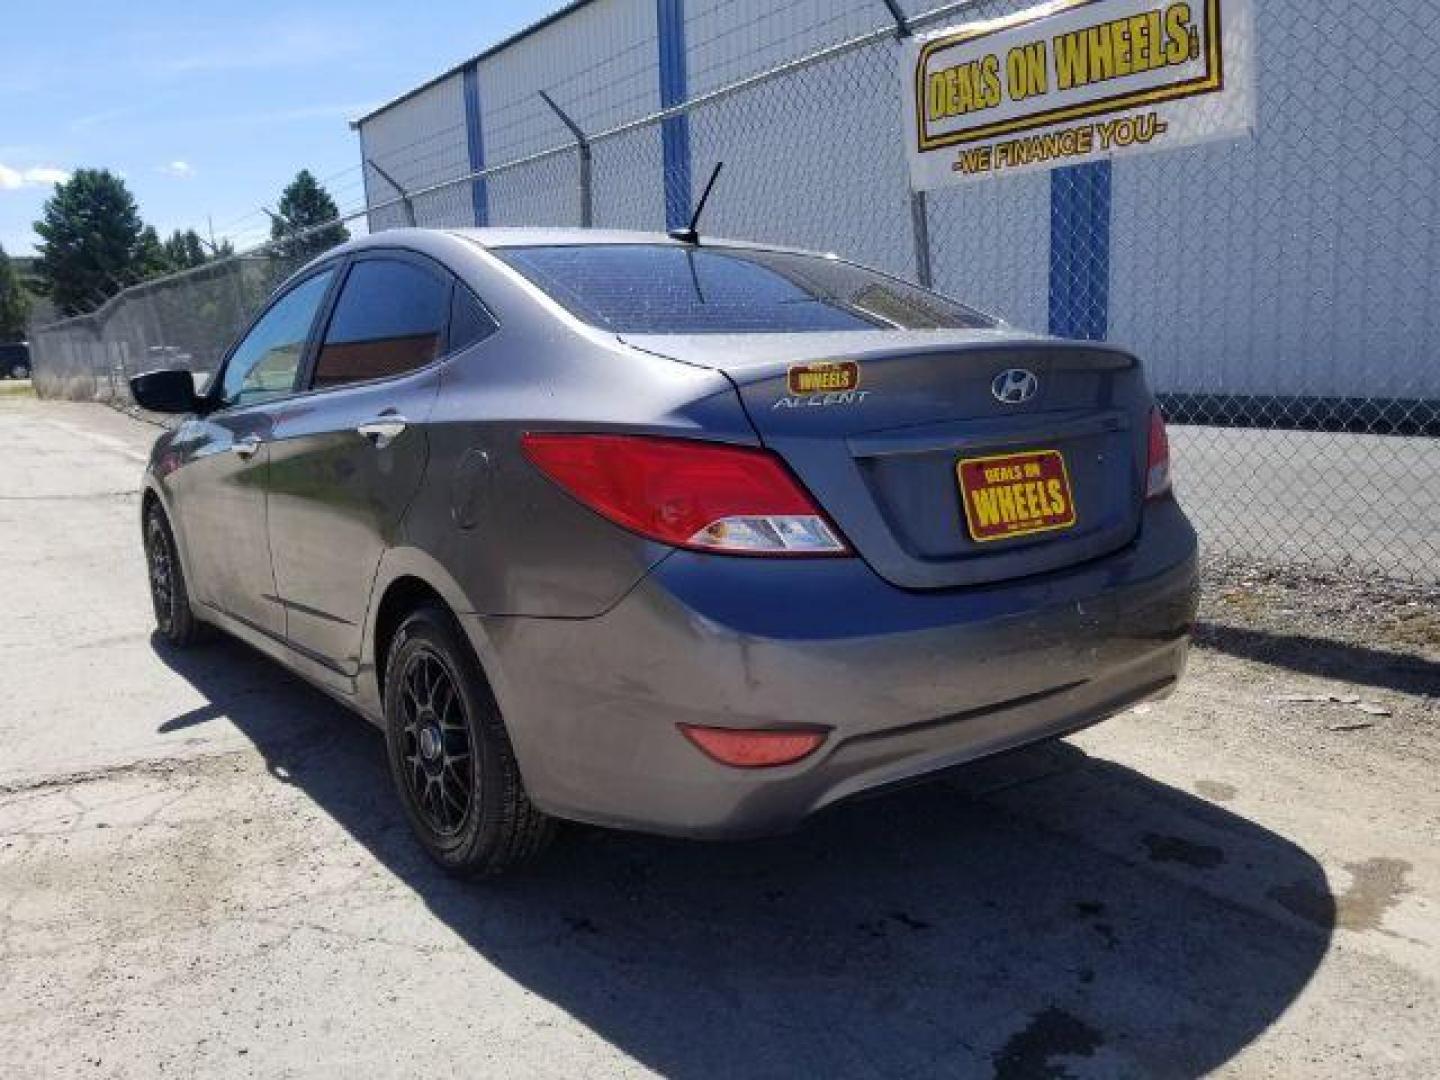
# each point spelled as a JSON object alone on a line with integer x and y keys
{"x": 168, "y": 391}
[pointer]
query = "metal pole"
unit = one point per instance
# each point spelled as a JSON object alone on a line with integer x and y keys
{"x": 919, "y": 204}
{"x": 920, "y": 224}
{"x": 405, "y": 200}
{"x": 582, "y": 142}
{"x": 902, "y": 24}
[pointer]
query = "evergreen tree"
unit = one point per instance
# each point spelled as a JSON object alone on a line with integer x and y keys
{"x": 93, "y": 242}
{"x": 185, "y": 250}
{"x": 304, "y": 204}
{"x": 151, "y": 258}
{"x": 14, "y": 304}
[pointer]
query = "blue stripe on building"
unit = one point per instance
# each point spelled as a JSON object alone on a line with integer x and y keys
{"x": 675, "y": 130}
{"x": 475, "y": 143}
{"x": 1080, "y": 251}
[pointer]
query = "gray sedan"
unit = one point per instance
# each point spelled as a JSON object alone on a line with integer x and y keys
{"x": 692, "y": 538}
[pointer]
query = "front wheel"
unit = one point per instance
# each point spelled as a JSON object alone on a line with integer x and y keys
{"x": 168, "y": 593}
{"x": 450, "y": 754}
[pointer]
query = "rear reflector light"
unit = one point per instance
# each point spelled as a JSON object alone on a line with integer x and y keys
{"x": 1157, "y": 473}
{"x": 704, "y": 496}
{"x": 753, "y": 749}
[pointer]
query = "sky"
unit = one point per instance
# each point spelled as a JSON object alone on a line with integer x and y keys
{"x": 208, "y": 109}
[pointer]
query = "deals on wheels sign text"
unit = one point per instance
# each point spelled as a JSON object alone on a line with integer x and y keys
{"x": 1076, "y": 80}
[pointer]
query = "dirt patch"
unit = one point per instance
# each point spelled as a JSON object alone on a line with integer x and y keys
{"x": 1355, "y": 608}
{"x": 16, "y": 388}
{"x": 1376, "y": 886}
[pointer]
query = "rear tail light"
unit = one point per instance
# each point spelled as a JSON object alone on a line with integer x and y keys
{"x": 753, "y": 749}
{"x": 1157, "y": 472}
{"x": 704, "y": 496}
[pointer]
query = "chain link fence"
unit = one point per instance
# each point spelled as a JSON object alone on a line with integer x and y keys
{"x": 1282, "y": 290}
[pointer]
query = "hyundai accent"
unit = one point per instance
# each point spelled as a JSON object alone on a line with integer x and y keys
{"x": 668, "y": 534}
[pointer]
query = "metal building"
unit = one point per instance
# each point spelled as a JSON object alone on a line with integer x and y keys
{"x": 1293, "y": 275}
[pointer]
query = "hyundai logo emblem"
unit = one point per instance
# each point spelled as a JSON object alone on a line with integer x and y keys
{"x": 1015, "y": 386}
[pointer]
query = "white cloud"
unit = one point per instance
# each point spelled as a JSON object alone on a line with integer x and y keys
{"x": 182, "y": 170}
{"x": 37, "y": 176}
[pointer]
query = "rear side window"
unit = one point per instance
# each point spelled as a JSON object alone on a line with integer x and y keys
{"x": 659, "y": 289}
{"x": 390, "y": 319}
{"x": 469, "y": 321}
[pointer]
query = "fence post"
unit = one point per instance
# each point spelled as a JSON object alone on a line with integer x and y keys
{"x": 587, "y": 194}
{"x": 405, "y": 199}
{"x": 919, "y": 203}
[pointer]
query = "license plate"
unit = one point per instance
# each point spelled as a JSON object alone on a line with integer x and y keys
{"x": 1016, "y": 494}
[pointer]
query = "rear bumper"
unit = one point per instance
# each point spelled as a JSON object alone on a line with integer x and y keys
{"x": 909, "y": 682}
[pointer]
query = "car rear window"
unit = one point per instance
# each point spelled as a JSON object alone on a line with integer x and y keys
{"x": 662, "y": 289}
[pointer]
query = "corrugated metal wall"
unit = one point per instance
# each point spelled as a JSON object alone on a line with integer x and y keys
{"x": 419, "y": 144}
{"x": 1275, "y": 266}
{"x": 602, "y": 64}
{"x": 599, "y": 65}
{"x": 1314, "y": 244}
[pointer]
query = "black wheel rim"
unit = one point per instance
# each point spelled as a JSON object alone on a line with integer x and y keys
{"x": 162, "y": 574}
{"x": 436, "y": 744}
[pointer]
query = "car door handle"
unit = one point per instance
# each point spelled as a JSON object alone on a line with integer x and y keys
{"x": 383, "y": 430}
{"x": 246, "y": 447}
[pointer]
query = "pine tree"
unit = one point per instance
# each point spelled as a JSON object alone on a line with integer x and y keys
{"x": 14, "y": 304}
{"x": 151, "y": 259}
{"x": 184, "y": 250}
{"x": 93, "y": 241}
{"x": 304, "y": 204}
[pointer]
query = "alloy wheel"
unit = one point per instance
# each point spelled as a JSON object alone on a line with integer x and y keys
{"x": 436, "y": 747}
{"x": 162, "y": 574}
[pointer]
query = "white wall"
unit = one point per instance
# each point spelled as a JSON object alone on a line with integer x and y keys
{"x": 727, "y": 40}
{"x": 599, "y": 64}
{"x": 1302, "y": 262}
{"x": 1305, "y": 260}
{"x": 420, "y": 142}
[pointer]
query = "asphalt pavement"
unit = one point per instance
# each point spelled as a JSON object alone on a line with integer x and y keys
{"x": 1366, "y": 503}
{"x": 203, "y": 872}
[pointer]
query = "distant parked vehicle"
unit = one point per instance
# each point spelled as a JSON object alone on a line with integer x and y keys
{"x": 167, "y": 356}
{"x": 15, "y": 360}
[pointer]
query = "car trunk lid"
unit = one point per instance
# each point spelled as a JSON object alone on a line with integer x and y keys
{"x": 878, "y": 424}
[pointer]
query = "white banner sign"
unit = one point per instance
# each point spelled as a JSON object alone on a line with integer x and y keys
{"x": 1073, "y": 81}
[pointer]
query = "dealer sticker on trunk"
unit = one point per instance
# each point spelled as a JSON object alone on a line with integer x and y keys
{"x": 1016, "y": 494}
{"x": 828, "y": 382}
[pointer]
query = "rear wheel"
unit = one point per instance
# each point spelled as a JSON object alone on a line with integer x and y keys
{"x": 450, "y": 754}
{"x": 168, "y": 594}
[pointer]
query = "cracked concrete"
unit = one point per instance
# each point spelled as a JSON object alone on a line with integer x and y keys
{"x": 202, "y": 872}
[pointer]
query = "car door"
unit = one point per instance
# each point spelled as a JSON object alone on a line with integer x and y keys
{"x": 349, "y": 455}
{"x": 219, "y": 492}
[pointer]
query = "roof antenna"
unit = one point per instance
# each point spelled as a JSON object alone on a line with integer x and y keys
{"x": 688, "y": 235}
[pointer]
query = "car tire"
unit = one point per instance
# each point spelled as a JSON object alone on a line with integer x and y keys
{"x": 19, "y": 371}
{"x": 450, "y": 755}
{"x": 169, "y": 595}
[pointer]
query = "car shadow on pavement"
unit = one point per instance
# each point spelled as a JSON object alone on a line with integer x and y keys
{"x": 1045, "y": 911}
{"x": 1363, "y": 665}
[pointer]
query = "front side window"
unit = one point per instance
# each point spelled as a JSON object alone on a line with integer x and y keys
{"x": 670, "y": 289}
{"x": 390, "y": 319}
{"x": 265, "y": 363}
